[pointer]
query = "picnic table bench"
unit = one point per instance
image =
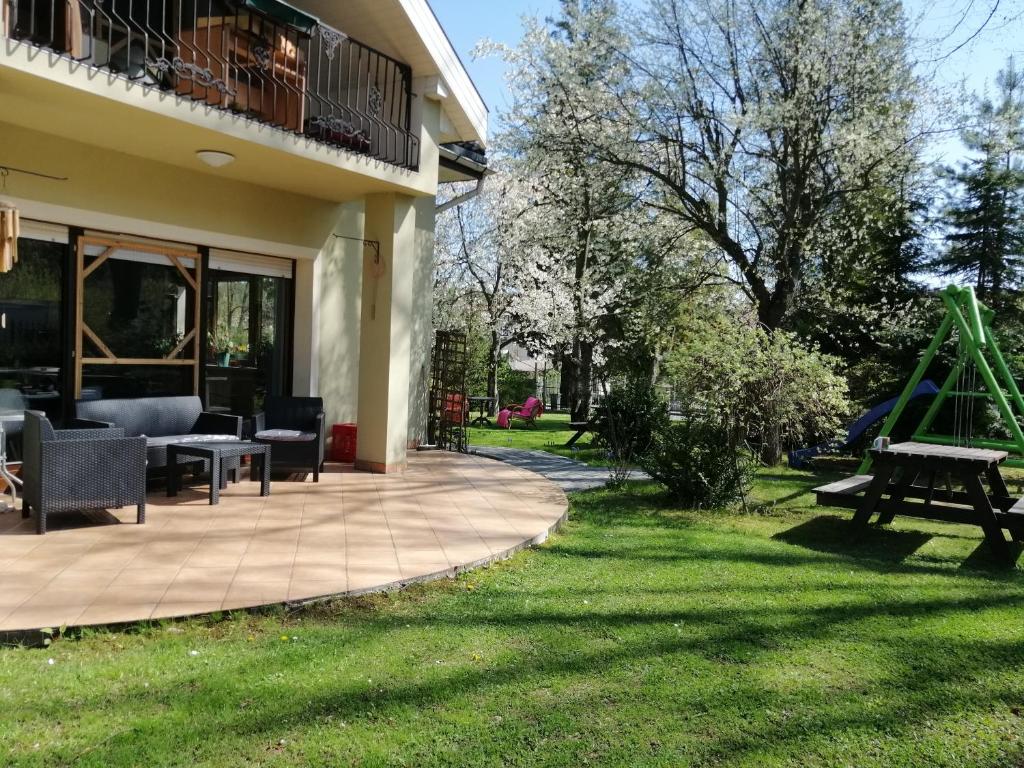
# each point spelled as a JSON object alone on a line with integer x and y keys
{"x": 581, "y": 427}
{"x": 905, "y": 483}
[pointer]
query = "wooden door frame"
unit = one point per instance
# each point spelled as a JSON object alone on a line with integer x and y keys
{"x": 193, "y": 280}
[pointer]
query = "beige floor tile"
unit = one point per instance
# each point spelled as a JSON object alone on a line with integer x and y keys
{"x": 248, "y": 594}
{"x": 115, "y": 613}
{"x": 320, "y": 556}
{"x": 120, "y": 593}
{"x": 37, "y": 616}
{"x": 417, "y": 568}
{"x": 173, "y": 610}
{"x": 321, "y": 572}
{"x": 73, "y": 576}
{"x": 216, "y": 557}
{"x": 139, "y": 573}
{"x": 35, "y": 577}
{"x": 262, "y": 573}
{"x": 305, "y": 590}
{"x": 66, "y": 595}
{"x": 351, "y": 531}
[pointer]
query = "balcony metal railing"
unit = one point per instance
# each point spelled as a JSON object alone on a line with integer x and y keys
{"x": 260, "y": 59}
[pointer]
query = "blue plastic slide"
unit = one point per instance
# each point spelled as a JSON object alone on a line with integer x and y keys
{"x": 800, "y": 458}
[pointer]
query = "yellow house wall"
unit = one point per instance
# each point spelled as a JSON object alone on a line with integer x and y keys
{"x": 375, "y": 370}
{"x": 421, "y": 322}
{"x": 385, "y": 338}
{"x": 167, "y": 201}
{"x": 340, "y": 278}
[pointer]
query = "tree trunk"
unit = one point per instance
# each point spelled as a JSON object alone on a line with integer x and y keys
{"x": 586, "y": 379}
{"x": 771, "y": 447}
{"x": 569, "y": 386}
{"x": 493, "y": 359}
{"x": 576, "y": 386}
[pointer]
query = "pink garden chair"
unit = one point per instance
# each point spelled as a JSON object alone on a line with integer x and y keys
{"x": 529, "y": 412}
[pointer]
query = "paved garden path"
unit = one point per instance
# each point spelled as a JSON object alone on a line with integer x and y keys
{"x": 567, "y": 474}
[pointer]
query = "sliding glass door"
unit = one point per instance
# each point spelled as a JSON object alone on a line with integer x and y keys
{"x": 249, "y": 321}
{"x": 31, "y": 323}
{"x": 108, "y": 317}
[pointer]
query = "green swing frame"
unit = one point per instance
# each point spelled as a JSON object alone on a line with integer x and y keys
{"x": 978, "y": 345}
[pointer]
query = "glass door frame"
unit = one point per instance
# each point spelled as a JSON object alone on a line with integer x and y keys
{"x": 285, "y": 330}
{"x": 81, "y": 331}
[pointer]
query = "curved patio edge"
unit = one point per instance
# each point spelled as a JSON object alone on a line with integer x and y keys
{"x": 351, "y": 534}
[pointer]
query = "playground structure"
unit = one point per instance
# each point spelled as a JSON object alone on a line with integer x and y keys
{"x": 980, "y": 373}
{"x": 801, "y": 457}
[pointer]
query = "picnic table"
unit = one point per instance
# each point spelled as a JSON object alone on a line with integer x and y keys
{"x": 934, "y": 482}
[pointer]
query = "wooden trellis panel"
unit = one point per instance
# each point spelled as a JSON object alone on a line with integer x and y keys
{"x": 193, "y": 279}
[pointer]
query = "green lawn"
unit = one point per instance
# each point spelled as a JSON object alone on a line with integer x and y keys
{"x": 639, "y": 636}
{"x": 551, "y": 434}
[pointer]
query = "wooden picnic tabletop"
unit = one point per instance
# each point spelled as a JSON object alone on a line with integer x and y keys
{"x": 927, "y": 450}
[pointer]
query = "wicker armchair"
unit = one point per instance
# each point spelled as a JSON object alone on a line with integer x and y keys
{"x": 293, "y": 427}
{"x": 78, "y": 469}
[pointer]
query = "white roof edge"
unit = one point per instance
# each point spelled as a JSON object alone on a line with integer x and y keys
{"x": 466, "y": 107}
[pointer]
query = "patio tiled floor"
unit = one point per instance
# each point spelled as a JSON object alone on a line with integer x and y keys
{"x": 350, "y": 533}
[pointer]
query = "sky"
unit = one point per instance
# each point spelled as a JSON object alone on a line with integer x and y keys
{"x": 940, "y": 28}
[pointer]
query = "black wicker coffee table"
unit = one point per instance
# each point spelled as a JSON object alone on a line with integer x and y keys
{"x": 215, "y": 453}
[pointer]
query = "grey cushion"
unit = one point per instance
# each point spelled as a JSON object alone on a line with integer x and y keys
{"x": 156, "y": 447}
{"x": 285, "y": 436}
{"x": 166, "y": 440}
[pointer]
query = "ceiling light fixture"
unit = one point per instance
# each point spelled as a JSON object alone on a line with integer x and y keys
{"x": 214, "y": 158}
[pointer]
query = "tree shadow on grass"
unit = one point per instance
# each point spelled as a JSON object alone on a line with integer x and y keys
{"x": 837, "y": 536}
{"x": 718, "y": 635}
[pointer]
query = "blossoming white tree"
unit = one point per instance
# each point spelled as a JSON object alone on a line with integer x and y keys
{"x": 581, "y": 227}
{"x": 756, "y": 120}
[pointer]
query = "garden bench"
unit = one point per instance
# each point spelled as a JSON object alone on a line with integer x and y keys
{"x": 846, "y": 487}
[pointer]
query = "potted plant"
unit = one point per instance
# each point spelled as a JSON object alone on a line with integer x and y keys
{"x": 220, "y": 349}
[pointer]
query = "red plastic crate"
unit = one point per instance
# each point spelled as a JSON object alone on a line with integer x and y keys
{"x": 343, "y": 443}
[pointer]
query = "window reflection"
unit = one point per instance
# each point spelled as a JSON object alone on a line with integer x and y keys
{"x": 30, "y": 331}
{"x": 247, "y": 341}
{"x": 137, "y": 307}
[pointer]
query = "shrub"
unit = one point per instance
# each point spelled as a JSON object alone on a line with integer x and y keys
{"x": 699, "y": 464}
{"x": 514, "y": 386}
{"x": 629, "y": 417}
{"x": 768, "y": 387}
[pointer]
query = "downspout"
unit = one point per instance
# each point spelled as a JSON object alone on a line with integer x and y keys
{"x": 461, "y": 199}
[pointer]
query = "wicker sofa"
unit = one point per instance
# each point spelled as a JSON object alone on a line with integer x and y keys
{"x": 161, "y": 420}
{"x": 80, "y": 469}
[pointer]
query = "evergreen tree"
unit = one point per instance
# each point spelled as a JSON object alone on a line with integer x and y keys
{"x": 986, "y": 218}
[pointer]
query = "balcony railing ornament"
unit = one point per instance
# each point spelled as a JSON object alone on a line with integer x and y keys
{"x": 332, "y": 38}
{"x": 375, "y": 101}
{"x": 338, "y": 125}
{"x": 189, "y": 71}
{"x": 264, "y": 57}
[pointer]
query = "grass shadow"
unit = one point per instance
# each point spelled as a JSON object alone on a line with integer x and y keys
{"x": 983, "y": 560}
{"x": 837, "y": 536}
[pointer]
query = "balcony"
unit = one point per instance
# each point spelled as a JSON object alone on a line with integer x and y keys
{"x": 260, "y": 59}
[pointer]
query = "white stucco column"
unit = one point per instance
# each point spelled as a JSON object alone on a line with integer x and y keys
{"x": 385, "y": 334}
